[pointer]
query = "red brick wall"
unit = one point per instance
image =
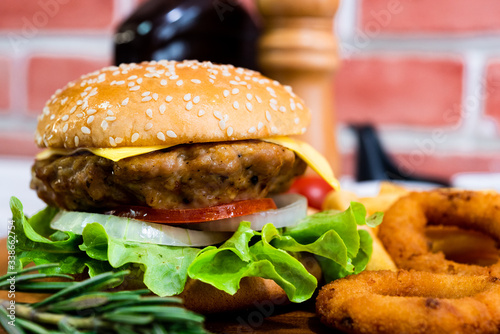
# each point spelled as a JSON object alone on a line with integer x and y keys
{"x": 427, "y": 74}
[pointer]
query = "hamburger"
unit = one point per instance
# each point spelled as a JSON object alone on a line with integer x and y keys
{"x": 172, "y": 170}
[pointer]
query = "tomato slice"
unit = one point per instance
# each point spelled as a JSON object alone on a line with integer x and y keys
{"x": 182, "y": 216}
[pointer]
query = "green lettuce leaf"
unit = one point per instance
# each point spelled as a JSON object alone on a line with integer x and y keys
{"x": 224, "y": 267}
{"x": 34, "y": 245}
{"x": 331, "y": 236}
{"x": 165, "y": 268}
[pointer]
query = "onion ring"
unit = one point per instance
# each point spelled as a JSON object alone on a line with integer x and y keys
{"x": 403, "y": 230}
{"x": 411, "y": 302}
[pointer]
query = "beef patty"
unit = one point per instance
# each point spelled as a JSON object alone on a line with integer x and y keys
{"x": 185, "y": 176}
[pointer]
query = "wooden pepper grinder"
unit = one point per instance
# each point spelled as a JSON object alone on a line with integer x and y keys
{"x": 298, "y": 48}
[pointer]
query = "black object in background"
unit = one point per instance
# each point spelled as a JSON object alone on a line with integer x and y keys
{"x": 220, "y": 31}
{"x": 373, "y": 163}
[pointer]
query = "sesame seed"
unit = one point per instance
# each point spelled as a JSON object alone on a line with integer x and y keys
{"x": 196, "y": 99}
{"x": 236, "y": 105}
{"x": 201, "y": 112}
{"x": 65, "y": 118}
{"x": 104, "y": 125}
{"x": 92, "y": 93}
{"x": 300, "y": 105}
{"x": 282, "y": 109}
{"x": 260, "y": 125}
{"x": 222, "y": 124}
{"x": 85, "y": 130}
{"x": 130, "y": 84}
{"x": 232, "y": 82}
{"x": 121, "y": 82}
{"x": 274, "y": 107}
{"x": 292, "y": 105}
{"x": 212, "y": 76}
{"x": 160, "y": 136}
{"x": 273, "y": 101}
{"x": 79, "y": 115}
{"x": 173, "y": 77}
{"x": 110, "y": 112}
{"x": 65, "y": 128}
{"x": 155, "y": 96}
{"x": 226, "y": 117}
{"x": 77, "y": 140}
{"x": 162, "y": 109}
{"x": 118, "y": 140}
{"x": 79, "y": 102}
{"x": 112, "y": 141}
{"x": 189, "y": 105}
{"x": 297, "y": 120}
{"x": 135, "y": 88}
{"x": 168, "y": 98}
{"x": 149, "y": 112}
{"x": 252, "y": 130}
{"x": 110, "y": 118}
{"x": 171, "y": 134}
{"x": 63, "y": 101}
{"x": 90, "y": 119}
{"x": 268, "y": 115}
{"x": 211, "y": 80}
{"x": 230, "y": 131}
{"x": 235, "y": 91}
{"x": 53, "y": 116}
{"x": 148, "y": 126}
{"x": 258, "y": 99}
{"x": 163, "y": 82}
{"x": 179, "y": 83}
{"x": 196, "y": 81}
{"x": 274, "y": 129}
{"x": 237, "y": 78}
{"x": 187, "y": 97}
{"x": 249, "y": 97}
{"x": 218, "y": 114}
{"x": 146, "y": 99}
{"x": 304, "y": 130}
{"x": 226, "y": 93}
{"x": 133, "y": 77}
{"x": 249, "y": 106}
{"x": 145, "y": 93}
{"x": 135, "y": 136}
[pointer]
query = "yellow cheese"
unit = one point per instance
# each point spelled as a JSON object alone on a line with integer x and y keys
{"x": 115, "y": 154}
{"x": 312, "y": 157}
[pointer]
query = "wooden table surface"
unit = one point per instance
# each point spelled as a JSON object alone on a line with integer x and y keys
{"x": 289, "y": 319}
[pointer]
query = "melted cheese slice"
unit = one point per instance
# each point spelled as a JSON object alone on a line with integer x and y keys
{"x": 305, "y": 151}
{"x": 312, "y": 157}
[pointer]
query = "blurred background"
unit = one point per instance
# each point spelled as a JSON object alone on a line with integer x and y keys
{"x": 425, "y": 73}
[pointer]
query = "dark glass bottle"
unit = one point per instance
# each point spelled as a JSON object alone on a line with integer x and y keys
{"x": 220, "y": 31}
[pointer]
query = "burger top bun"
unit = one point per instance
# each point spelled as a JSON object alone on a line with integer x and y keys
{"x": 169, "y": 103}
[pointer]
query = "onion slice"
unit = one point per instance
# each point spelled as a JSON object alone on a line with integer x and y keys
{"x": 291, "y": 209}
{"x": 137, "y": 231}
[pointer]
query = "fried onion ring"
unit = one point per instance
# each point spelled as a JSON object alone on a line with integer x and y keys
{"x": 411, "y": 302}
{"x": 403, "y": 229}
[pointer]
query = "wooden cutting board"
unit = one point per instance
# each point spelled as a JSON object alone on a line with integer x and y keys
{"x": 289, "y": 319}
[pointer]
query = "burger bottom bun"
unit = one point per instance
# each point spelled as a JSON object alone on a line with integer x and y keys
{"x": 254, "y": 291}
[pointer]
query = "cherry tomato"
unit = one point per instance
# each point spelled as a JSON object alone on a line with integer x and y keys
{"x": 182, "y": 216}
{"x": 314, "y": 188}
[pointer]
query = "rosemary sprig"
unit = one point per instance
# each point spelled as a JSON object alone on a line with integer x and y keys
{"x": 86, "y": 307}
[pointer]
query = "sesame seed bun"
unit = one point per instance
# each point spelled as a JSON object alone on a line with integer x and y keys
{"x": 169, "y": 103}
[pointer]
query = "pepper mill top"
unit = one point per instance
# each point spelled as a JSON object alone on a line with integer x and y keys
{"x": 298, "y": 35}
